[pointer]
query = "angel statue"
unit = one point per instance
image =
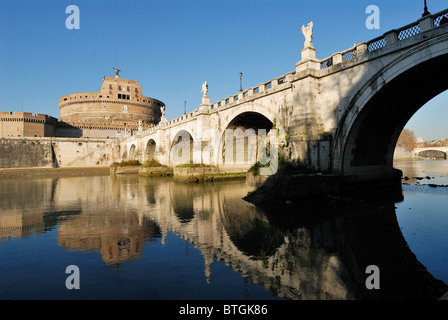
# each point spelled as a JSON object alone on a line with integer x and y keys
{"x": 162, "y": 110}
{"x": 308, "y": 33}
{"x": 117, "y": 71}
{"x": 205, "y": 89}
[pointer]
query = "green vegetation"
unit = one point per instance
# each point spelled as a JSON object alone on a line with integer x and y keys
{"x": 152, "y": 163}
{"x": 194, "y": 165}
{"x": 285, "y": 166}
{"x": 135, "y": 163}
{"x": 126, "y": 163}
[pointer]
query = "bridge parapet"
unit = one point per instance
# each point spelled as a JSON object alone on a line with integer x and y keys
{"x": 318, "y": 108}
{"x": 389, "y": 38}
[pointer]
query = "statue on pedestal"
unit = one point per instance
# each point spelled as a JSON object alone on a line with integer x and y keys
{"x": 205, "y": 89}
{"x": 162, "y": 111}
{"x": 308, "y": 33}
{"x": 117, "y": 72}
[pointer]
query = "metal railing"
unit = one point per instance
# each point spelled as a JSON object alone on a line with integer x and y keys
{"x": 326, "y": 63}
{"x": 376, "y": 44}
{"x": 350, "y": 54}
{"x": 409, "y": 31}
{"x": 440, "y": 18}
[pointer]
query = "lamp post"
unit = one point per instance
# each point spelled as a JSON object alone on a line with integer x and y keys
{"x": 426, "y": 12}
{"x": 241, "y": 82}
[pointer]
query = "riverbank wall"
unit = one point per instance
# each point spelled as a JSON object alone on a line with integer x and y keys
{"x": 10, "y": 173}
{"x": 57, "y": 152}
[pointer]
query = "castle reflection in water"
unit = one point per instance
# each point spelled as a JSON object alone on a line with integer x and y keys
{"x": 295, "y": 258}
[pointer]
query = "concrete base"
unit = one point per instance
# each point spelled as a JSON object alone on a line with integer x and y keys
{"x": 204, "y": 174}
{"x": 155, "y": 171}
{"x": 281, "y": 189}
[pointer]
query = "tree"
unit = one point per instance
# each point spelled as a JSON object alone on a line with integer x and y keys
{"x": 407, "y": 140}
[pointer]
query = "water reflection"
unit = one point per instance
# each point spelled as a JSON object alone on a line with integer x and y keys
{"x": 297, "y": 257}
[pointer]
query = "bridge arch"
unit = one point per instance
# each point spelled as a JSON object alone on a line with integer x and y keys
{"x": 150, "y": 150}
{"x": 241, "y": 121}
{"x": 378, "y": 111}
{"x": 255, "y": 109}
{"x": 181, "y": 148}
{"x": 132, "y": 152}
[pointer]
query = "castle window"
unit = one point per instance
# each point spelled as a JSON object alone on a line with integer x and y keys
{"x": 128, "y": 89}
{"x": 119, "y": 88}
{"x": 124, "y": 96}
{"x": 110, "y": 87}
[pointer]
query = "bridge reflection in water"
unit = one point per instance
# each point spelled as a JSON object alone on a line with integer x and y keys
{"x": 293, "y": 257}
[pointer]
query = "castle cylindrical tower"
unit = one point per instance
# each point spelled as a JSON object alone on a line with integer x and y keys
{"x": 118, "y": 105}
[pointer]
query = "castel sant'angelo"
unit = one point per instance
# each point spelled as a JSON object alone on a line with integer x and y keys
{"x": 119, "y": 108}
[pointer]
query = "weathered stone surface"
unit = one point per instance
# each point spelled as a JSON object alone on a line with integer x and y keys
{"x": 56, "y": 152}
{"x": 155, "y": 171}
{"x": 340, "y": 115}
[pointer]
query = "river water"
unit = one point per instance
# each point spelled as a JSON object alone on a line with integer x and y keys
{"x": 135, "y": 237}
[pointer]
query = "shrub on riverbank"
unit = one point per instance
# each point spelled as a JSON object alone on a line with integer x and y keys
{"x": 285, "y": 166}
{"x": 194, "y": 165}
{"x": 126, "y": 163}
{"x": 152, "y": 163}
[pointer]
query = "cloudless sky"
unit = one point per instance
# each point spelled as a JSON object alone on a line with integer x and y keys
{"x": 172, "y": 46}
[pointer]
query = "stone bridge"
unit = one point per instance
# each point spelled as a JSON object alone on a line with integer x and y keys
{"x": 417, "y": 151}
{"x": 342, "y": 115}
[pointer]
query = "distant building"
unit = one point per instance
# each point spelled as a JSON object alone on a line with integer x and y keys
{"x": 420, "y": 143}
{"x": 25, "y": 124}
{"x": 119, "y": 107}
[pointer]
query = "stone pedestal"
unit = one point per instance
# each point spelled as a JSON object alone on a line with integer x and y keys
{"x": 205, "y": 105}
{"x": 308, "y": 53}
{"x": 162, "y": 121}
{"x": 309, "y": 60}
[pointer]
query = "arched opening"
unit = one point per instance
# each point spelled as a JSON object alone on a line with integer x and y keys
{"x": 150, "y": 150}
{"x": 368, "y": 148}
{"x": 239, "y": 144}
{"x": 132, "y": 152}
{"x": 181, "y": 151}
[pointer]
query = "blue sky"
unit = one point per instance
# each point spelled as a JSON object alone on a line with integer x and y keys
{"x": 171, "y": 47}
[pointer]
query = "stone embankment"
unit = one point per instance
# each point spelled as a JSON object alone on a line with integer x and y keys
{"x": 204, "y": 174}
{"x": 142, "y": 171}
{"x": 52, "y": 172}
